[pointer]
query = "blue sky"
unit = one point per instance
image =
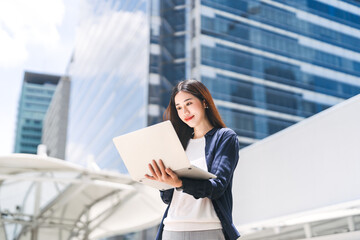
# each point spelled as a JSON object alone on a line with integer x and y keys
{"x": 35, "y": 35}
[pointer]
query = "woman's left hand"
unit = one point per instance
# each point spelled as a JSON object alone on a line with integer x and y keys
{"x": 162, "y": 174}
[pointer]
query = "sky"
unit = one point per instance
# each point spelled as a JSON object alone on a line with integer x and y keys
{"x": 37, "y": 36}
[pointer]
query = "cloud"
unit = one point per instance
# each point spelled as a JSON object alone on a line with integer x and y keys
{"x": 24, "y": 24}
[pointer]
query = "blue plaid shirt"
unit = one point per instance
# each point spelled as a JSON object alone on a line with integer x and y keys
{"x": 222, "y": 155}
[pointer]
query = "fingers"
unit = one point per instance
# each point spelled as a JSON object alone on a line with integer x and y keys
{"x": 172, "y": 174}
{"x": 176, "y": 182}
{"x": 149, "y": 177}
{"x": 162, "y": 167}
{"x": 152, "y": 170}
{"x": 160, "y": 173}
{"x": 156, "y": 169}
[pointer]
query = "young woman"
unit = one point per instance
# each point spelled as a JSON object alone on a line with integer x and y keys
{"x": 198, "y": 209}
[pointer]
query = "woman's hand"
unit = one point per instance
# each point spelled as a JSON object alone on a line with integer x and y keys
{"x": 162, "y": 174}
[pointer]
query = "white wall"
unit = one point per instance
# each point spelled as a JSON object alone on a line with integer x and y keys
{"x": 310, "y": 165}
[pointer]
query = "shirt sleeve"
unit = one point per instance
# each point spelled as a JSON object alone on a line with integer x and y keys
{"x": 166, "y": 195}
{"x": 225, "y": 160}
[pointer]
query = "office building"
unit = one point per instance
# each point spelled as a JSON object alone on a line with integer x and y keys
{"x": 268, "y": 64}
{"x": 55, "y": 122}
{"x": 36, "y": 94}
{"x": 109, "y": 74}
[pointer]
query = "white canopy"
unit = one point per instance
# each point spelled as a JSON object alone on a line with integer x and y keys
{"x": 46, "y": 198}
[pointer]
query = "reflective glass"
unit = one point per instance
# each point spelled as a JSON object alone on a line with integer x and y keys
{"x": 107, "y": 99}
{"x": 258, "y": 40}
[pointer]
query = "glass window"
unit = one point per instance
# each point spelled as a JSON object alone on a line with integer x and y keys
{"x": 281, "y": 101}
{"x": 230, "y": 89}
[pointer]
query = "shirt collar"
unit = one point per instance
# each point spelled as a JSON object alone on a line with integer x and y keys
{"x": 211, "y": 132}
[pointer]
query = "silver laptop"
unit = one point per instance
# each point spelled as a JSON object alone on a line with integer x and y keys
{"x": 160, "y": 141}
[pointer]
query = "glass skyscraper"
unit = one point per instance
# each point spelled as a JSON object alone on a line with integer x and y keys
{"x": 36, "y": 94}
{"x": 109, "y": 79}
{"x": 268, "y": 64}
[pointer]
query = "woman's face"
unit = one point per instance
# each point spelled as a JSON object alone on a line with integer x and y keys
{"x": 190, "y": 109}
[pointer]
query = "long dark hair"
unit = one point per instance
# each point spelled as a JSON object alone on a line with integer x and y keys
{"x": 200, "y": 91}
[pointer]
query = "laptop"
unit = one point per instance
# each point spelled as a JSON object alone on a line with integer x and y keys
{"x": 160, "y": 141}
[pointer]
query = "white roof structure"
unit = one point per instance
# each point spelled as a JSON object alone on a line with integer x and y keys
{"x": 304, "y": 181}
{"x": 46, "y": 198}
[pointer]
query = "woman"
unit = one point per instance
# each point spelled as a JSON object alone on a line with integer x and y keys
{"x": 198, "y": 209}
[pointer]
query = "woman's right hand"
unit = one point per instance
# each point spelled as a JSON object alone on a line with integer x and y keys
{"x": 162, "y": 174}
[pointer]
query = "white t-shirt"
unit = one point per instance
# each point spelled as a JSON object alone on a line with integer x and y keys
{"x": 187, "y": 213}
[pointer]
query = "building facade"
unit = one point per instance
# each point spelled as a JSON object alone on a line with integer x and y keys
{"x": 268, "y": 64}
{"x": 55, "y": 122}
{"x": 109, "y": 74}
{"x": 36, "y": 94}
